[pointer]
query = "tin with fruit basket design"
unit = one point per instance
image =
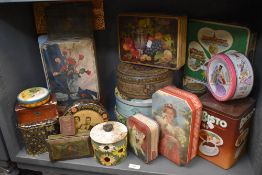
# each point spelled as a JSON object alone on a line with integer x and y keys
{"x": 158, "y": 41}
{"x": 224, "y": 129}
{"x": 178, "y": 114}
{"x": 140, "y": 82}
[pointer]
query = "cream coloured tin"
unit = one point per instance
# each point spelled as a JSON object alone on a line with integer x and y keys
{"x": 230, "y": 76}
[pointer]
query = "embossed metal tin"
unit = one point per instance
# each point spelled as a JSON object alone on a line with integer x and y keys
{"x": 47, "y": 111}
{"x": 109, "y": 140}
{"x": 34, "y": 136}
{"x": 140, "y": 82}
{"x": 224, "y": 129}
{"x": 87, "y": 114}
{"x": 69, "y": 147}
{"x": 143, "y": 137}
{"x": 128, "y": 107}
{"x": 230, "y": 76}
{"x": 178, "y": 114}
{"x": 33, "y": 97}
{"x": 67, "y": 125}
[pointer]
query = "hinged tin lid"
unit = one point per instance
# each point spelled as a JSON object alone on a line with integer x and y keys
{"x": 108, "y": 132}
{"x": 234, "y": 109}
{"x": 32, "y": 95}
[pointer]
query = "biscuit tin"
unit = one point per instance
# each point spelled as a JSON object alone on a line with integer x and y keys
{"x": 128, "y": 107}
{"x": 224, "y": 129}
{"x": 230, "y": 76}
{"x": 47, "y": 111}
{"x": 87, "y": 114}
{"x": 178, "y": 113}
{"x": 143, "y": 136}
{"x": 158, "y": 41}
{"x": 34, "y": 136}
{"x": 109, "y": 140}
{"x": 67, "y": 125}
{"x": 33, "y": 97}
{"x": 206, "y": 38}
{"x": 69, "y": 147}
{"x": 140, "y": 82}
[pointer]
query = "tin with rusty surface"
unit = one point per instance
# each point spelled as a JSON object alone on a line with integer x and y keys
{"x": 140, "y": 82}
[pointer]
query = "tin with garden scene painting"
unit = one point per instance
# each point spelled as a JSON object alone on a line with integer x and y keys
{"x": 178, "y": 114}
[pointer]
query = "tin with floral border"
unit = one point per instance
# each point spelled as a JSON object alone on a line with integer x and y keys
{"x": 109, "y": 141}
{"x": 230, "y": 76}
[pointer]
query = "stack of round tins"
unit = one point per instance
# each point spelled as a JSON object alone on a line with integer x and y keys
{"x": 33, "y": 97}
{"x": 230, "y": 76}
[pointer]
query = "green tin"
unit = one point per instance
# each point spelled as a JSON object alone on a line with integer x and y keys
{"x": 205, "y": 39}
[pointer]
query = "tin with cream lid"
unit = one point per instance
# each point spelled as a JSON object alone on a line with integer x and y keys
{"x": 230, "y": 76}
{"x": 109, "y": 141}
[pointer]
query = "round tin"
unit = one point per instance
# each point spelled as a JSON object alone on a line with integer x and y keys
{"x": 230, "y": 76}
{"x": 195, "y": 88}
{"x": 129, "y": 107}
{"x": 120, "y": 118}
{"x": 109, "y": 141}
{"x": 33, "y": 97}
{"x": 87, "y": 114}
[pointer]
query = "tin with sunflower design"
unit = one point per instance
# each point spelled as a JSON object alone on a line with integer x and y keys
{"x": 109, "y": 141}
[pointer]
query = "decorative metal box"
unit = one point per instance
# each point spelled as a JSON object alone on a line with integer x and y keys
{"x": 67, "y": 125}
{"x": 158, "y": 41}
{"x": 34, "y": 136}
{"x": 109, "y": 140}
{"x": 206, "y": 39}
{"x": 143, "y": 137}
{"x": 224, "y": 129}
{"x": 140, "y": 82}
{"x": 47, "y": 111}
{"x": 87, "y": 114}
{"x": 178, "y": 113}
{"x": 69, "y": 147}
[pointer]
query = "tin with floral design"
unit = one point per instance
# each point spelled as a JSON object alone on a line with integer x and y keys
{"x": 109, "y": 141}
{"x": 230, "y": 76}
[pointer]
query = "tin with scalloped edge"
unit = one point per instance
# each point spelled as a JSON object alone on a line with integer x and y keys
{"x": 230, "y": 76}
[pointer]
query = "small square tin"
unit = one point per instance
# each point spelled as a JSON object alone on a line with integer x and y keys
{"x": 67, "y": 125}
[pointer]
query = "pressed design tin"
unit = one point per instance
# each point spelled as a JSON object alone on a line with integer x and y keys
{"x": 140, "y": 82}
{"x": 230, "y": 76}
{"x": 109, "y": 141}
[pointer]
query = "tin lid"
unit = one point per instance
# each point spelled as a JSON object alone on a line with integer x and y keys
{"x": 234, "y": 109}
{"x": 33, "y": 95}
{"x": 108, "y": 132}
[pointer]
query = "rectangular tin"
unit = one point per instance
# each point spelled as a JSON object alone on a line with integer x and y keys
{"x": 179, "y": 114}
{"x": 143, "y": 136}
{"x": 67, "y": 125}
{"x": 69, "y": 147}
{"x": 206, "y": 38}
{"x": 47, "y": 111}
{"x": 224, "y": 129}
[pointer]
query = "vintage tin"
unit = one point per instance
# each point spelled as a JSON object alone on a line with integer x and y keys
{"x": 128, "y": 107}
{"x": 47, "y": 111}
{"x": 178, "y": 113}
{"x": 120, "y": 118}
{"x": 206, "y": 38}
{"x": 153, "y": 40}
{"x": 140, "y": 82}
{"x": 109, "y": 140}
{"x": 67, "y": 125}
{"x": 195, "y": 88}
{"x": 224, "y": 129}
{"x": 143, "y": 137}
{"x": 70, "y": 69}
{"x": 69, "y": 147}
{"x": 87, "y": 114}
{"x": 34, "y": 136}
{"x": 33, "y": 97}
{"x": 230, "y": 76}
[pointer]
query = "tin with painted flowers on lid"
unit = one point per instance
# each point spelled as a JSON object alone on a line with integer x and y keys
{"x": 109, "y": 141}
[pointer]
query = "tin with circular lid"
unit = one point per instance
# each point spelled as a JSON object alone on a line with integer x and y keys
{"x": 33, "y": 97}
{"x": 230, "y": 76}
{"x": 109, "y": 141}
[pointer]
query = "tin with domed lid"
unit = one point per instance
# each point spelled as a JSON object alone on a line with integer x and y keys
{"x": 109, "y": 141}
